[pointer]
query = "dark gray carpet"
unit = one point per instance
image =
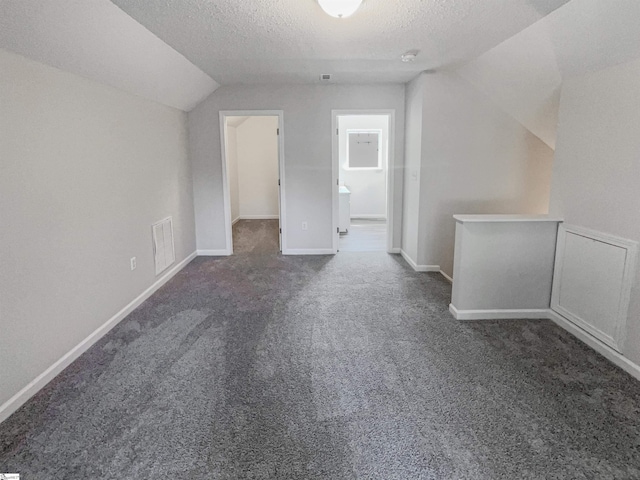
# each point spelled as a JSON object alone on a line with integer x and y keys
{"x": 261, "y": 366}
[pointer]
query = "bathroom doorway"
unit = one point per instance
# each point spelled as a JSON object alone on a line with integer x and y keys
{"x": 363, "y": 197}
{"x": 252, "y": 171}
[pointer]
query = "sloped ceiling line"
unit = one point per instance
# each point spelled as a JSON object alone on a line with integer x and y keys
{"x": 97, "y": 40}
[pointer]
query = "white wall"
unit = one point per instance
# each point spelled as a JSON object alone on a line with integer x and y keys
{"x": 307, "y": 148}
{"x": 232, "y": 162}
{"x": 412, "y": 160}
{"x": 597, "y": 164}
{"x": 257, "y": 157}
{"x": 474, "y": 158}
{"x": 86, "y": 169}
{"x": 368, "y": 187}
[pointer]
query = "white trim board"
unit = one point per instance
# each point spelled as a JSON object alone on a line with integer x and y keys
{"x": 449, "y": 279}
{"x": 502, "y": 314}
{"x": 368, "y": 217}
{"x": 214, "y": 253}
{"x": 33, "y": 387}
{"x": 606, "y": 351}
{"x": 257, "y": 217}
{"x": 416, "y": 267}
{"x": 309, "y": 251}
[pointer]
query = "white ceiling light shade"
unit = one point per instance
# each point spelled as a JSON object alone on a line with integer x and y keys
{"x": 340, "y": 8}
{"x": 410, "y": 56}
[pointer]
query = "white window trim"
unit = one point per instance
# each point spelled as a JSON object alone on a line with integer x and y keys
{"x": 364, "y": 130}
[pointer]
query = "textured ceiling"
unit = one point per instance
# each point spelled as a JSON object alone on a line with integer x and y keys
{"x": 294, "y": 41}
{"x": 515, "y": 51}
{"x": 97, "y": 40}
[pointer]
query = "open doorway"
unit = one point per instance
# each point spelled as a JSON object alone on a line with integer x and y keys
{"x": 252, "y": 166}
{"x": 363, "y": 157}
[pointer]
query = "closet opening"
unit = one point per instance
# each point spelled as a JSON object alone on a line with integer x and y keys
{"x": 253, "y": 180}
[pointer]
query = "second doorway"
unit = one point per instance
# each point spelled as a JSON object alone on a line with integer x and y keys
{"x": 363, "y": 158}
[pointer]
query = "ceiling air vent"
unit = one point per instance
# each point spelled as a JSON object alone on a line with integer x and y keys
{"x": 325, "y": 77}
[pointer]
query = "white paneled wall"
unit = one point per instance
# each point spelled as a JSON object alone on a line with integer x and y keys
{"x": 592, "y": 282}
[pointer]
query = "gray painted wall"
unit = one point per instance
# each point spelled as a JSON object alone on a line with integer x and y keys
{"x": 86, "y": 169}
{"x": 597, "y": 164}
{"x": 474, "y": 158}
{"x": 308, "y": 156}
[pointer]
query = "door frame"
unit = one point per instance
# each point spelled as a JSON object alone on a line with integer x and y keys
{"x": 225, "y": 168}
{"x": 391, "y": 164}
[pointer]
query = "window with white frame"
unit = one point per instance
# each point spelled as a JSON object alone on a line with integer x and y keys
{"x": 364, "y": 149}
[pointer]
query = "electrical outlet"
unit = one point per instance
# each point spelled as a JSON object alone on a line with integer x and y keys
{"x": 305, "y": 226}
{"x": 133, "y": 263}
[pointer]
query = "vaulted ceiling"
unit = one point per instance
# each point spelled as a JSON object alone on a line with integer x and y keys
{"x": 97, "y": 40}
{"x": 524, "y": 74}
{"x": 177, "y": 52}
{"x": 294, "y": 41}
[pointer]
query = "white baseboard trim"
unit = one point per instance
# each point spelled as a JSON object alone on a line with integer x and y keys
{"x": 308, "y": 251}
{"x": 368, "y": 217}
{"x": 501, "y": 314}
{"x": 446, "y": 276}
{"x": 603, "y": 349}
{"x": 33, "y": 387}
{"x": 394, "y": 250}
{"x": 213, "y": 253}
{"x": 607, "y": 352}
{"x": 235, "y": 221}
{"x": 258, "y": 217}
{"x": 416, "y": 267}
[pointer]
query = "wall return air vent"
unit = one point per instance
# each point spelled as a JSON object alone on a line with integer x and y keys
{"x": 163, "y": 247}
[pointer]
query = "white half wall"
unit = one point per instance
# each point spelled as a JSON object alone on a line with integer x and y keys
{"x": 597, "y": 165}
{"x": 368, "y": 187}
{"x": 86, "y": 170}
{"x": 503, "y": 263}
{"x": 257, "y": 175}
{"x": 307, "y": 150}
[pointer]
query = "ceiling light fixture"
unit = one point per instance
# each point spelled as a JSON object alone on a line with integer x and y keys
{"x": 340, "y": 8}
{"x": 410, "y": 56}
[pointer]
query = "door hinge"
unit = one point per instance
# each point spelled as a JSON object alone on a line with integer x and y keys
{"x": 280, "y": 230}
{"x": 278, "y": 181}
{"x": 337, "y": 229}
{"x": 277, "y": 131}
{"x": 338, "y": 181}
{"x": 337, "y": 131}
